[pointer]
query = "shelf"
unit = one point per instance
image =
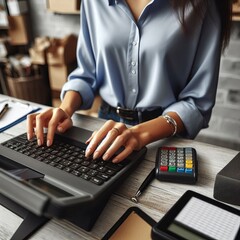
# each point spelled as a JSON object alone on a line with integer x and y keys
{"x": 63, "y": 6}
{"x": 236, "y": 18}
{"x": 65, "y": 13}
{"x": 236, "y": 11}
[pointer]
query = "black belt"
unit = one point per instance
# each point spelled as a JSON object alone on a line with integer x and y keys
{"x": 134, "y": 115}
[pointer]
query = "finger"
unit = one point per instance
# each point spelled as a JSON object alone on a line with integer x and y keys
{"x": 98, "y": 136}
{"x": 58, "y": 117}
{"x": 31, "y": 123}
{"x": 107, "y": 141}
{"x": 91, "y": 147}
{"x": 90, "y": 139}
{"x": 42, "y": 120}
{"x": 128, "y": 141}
{"x": 114, "y": 129}
{"x": 66, "y": 124}
{"x": 62, "y": 127}
{"x": 123, "y": 155}
{"x": 102, "y": 132}
{"x": 120, "y": 141}
{"x": 39, "y": 132}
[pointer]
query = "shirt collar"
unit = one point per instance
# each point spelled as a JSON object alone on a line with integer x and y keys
{"x": 114, "y": 2}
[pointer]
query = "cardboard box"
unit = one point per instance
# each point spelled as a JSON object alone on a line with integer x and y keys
{"x": 37, "y": 57}
{"x": 38, "y": 52}
{"x": 62, "y": 51}
{"x": 17, "y": 7}
{"x": 58, "y": 75}
{"x": 63, "y": 6}
{"x": 19, "y": 31}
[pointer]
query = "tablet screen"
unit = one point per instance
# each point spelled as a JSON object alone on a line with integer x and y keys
{"x": 199, "y": 218}
{"x": 9, "y": 223}
{"x": 134, "y": 227}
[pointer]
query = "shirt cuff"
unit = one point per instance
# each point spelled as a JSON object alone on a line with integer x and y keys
{"x": 84, "y": 90}
{"x": 191, "y": 117}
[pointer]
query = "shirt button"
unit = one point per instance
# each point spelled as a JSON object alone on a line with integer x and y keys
{"x": 133, "y": 63}
{"x": 134, "y": 43}
{"x": 134, "y": 90}
{"x": 133, "y": 71}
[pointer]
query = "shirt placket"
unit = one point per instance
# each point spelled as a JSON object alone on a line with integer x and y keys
{"x": 133, "y": 63}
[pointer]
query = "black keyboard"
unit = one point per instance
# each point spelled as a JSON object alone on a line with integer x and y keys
{"x": 68, "y": 156}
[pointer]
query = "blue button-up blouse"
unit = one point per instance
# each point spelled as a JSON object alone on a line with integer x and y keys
{"x": 149, "y": 63}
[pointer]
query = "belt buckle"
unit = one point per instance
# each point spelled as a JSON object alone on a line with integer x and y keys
{"x": 126, "y": 113}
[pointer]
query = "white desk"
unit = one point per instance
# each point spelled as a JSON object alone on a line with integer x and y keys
{"x": 155, "y": 201}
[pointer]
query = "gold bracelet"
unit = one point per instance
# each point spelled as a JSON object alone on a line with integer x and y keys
{"x": 171, "y": 121}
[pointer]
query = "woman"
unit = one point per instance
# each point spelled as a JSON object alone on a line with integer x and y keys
{"x": 155, "y": 65}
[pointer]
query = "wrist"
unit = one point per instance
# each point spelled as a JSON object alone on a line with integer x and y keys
{"x": 67, "y": 110}
{"x": 170, "y": 120}
{"x": 71, "y": 102}
{"x": 157, "y": 129}
{"x": 142, "y": 135}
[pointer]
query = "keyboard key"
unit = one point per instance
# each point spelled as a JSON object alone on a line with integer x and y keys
{"x": 103, "y": 176}
{"x": 96, "y": 180}
{"x": 83, "y": 169}
{"x": 76, "y": 173}
{"x": 85, "y": 176}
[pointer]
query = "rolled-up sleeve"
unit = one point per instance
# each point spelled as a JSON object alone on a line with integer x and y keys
{"x": 195, "y": 102}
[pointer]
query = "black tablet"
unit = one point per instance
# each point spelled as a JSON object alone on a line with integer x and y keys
{"x": 134, "y": 224}
{"x": 197, "y": 217}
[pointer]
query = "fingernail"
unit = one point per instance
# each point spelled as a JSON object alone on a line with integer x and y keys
{"x": 88, "y": 151}
{"x": 115, "y": 160}
{"x": 39, "y": 142}
{"x": 96, "y": 155}
{"x": 28, "y": 136}
{"x": 48, "y": 143}
{"x": 105, "y": 156}
{"x": 89, "y": 139}
{"x": 60, "y": 129}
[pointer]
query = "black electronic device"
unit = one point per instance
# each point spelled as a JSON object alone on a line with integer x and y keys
{"x": 177, "y": 164}
{"x": 58, "y": 181}
{"x": 198, "y": 217}
{"x": 227, "y": 182}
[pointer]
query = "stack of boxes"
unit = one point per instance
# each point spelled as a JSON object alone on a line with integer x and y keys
{"x": 38, "y": 52}
{"x": 51, "y": 61}
{"x": 18, "y": 20}
{"x": 59, "y": 54}
{"x": 61, "y": 58}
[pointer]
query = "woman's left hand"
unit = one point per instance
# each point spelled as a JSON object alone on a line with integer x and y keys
{"x": 109, "y": 139}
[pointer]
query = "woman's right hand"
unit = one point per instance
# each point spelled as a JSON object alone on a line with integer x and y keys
{"x": 55, "y": 119}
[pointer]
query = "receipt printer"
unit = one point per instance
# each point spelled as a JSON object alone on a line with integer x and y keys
{"x": 227, "y": 182}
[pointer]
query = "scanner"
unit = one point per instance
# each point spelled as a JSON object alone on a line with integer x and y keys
{"x": 227, "y": 182}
